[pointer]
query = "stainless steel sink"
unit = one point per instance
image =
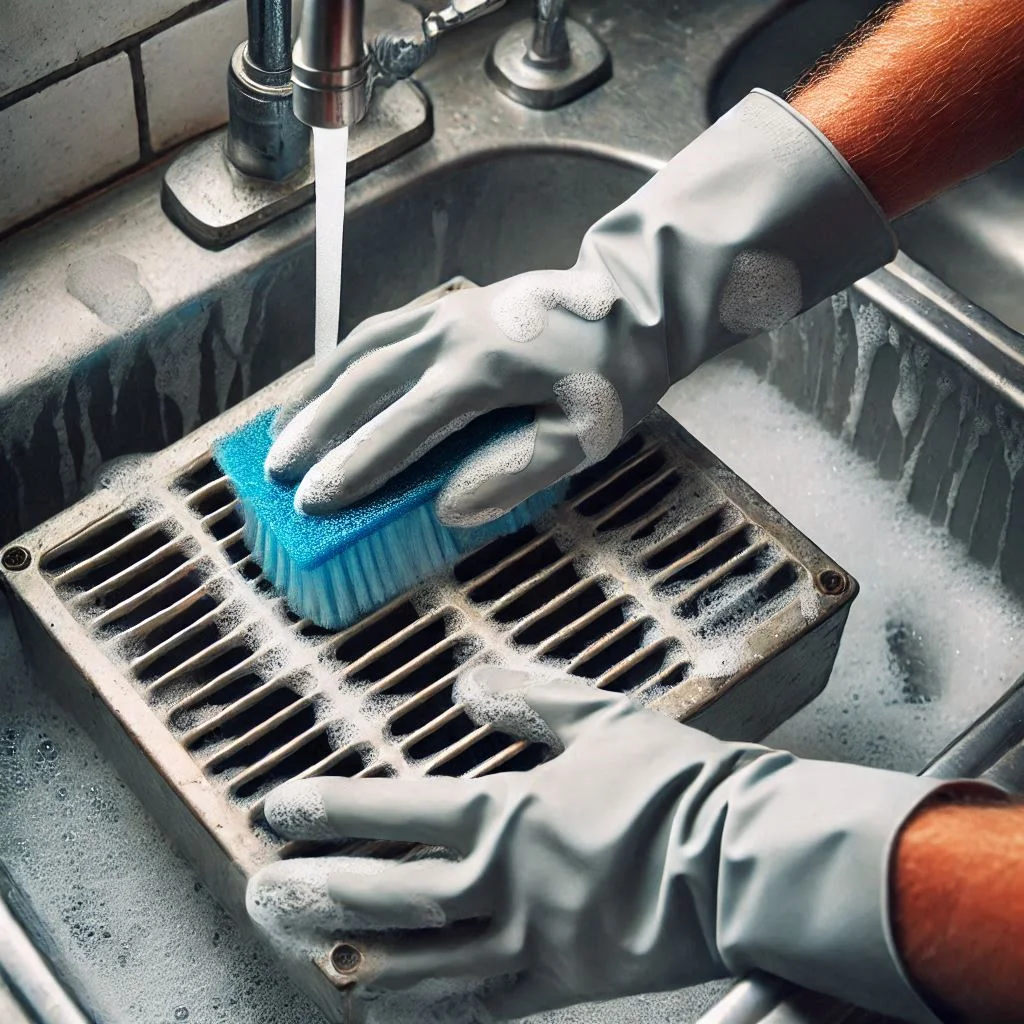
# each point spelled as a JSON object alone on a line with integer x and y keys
{"x": 118, "y": 335}
{"x": 973, "y": 236}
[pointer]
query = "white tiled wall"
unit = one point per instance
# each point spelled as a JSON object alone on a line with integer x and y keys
{"x": 78, "y": 132}
{"x": 186, "y": 70}
{"x": 38, "y": 37}
{"x": 75, "y": 76}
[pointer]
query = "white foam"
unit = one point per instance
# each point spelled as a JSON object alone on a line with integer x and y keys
{"x": 521, "y": 307}
{"x": 507, "y": 710}
{"x": 593, "y": 407}
{"x": 503, "y": 456}
{"x": 915, "y": 580}
{"x": 297, "y": 808}
{"x": 762, "y": 291}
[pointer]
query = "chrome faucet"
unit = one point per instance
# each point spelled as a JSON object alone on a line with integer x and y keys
{"x": 229, "y": 184}
{"x": 330, "y": 80}
{"x": 550, "y": 61}
{"x": 334, "y": 69}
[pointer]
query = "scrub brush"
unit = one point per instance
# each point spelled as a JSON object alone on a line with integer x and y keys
{"x": 333, "y": 569}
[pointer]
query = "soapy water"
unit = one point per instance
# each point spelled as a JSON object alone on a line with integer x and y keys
{"x": 930, "y": 643}
{"x": 933, "y": 638}
{"x": 330, "y": 151}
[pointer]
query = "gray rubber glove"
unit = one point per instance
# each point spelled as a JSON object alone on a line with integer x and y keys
{"x": 646, "y": 856}
{"x": 758, "y": 219}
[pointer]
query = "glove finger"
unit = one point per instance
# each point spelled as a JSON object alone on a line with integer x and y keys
{"x": 454, "y": 952}
{"x": 533, "y": 706}
{"x": 366, "y": 389}
{"x": 427, "y": 893}
{"x": 376, "y": 332}
{"x": 511, "y": 469}
{"x": 310, "y": 897}
{"x": 293, "y": 899}
{"x": 436, "y": 812}
{"x": 394, "y": 440}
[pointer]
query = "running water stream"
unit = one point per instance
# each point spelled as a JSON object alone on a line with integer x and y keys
{"x": 330, "y": 153}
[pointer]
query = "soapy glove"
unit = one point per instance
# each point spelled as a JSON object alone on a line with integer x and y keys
{"x": 756, "y": 220}
{"x": 644, "y": 856}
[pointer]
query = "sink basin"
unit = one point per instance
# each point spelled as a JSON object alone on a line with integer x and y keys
{"x": 972, "y": 237}
{"x": 186, "y": 348}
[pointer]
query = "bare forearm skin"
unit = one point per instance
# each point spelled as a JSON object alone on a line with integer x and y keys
{"x": 924, "y": 98}
{"x": 958, "y": 908}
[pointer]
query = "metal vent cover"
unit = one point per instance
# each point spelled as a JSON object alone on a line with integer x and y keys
{"x": 662, "y": 576}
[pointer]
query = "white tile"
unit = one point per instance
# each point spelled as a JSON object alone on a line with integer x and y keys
{"x": 186, "y": 71}
{"x": 64, "y": 139}
{"x": 40, "y": 36}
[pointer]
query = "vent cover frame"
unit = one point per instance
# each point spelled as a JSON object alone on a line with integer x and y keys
{"x": 782, "y": 664}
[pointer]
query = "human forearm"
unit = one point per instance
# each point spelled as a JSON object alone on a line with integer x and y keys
{"x": 928, "y": 97}
{"x": 958, "y": 907}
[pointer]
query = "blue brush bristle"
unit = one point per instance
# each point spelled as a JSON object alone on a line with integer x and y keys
{"x": 334, "y": 569}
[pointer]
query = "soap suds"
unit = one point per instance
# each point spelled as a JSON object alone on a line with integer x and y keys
{"x": 593, "y": 407}
{"x": 914, "y": 578}
{"x": 504, "y": 456}
{"x": 762, "y": 292}
{"x": 109, "y": 285}
{"x": 521, "y": 307}
{"x": 505, "y": 709}
{"x": 141, "y": 938}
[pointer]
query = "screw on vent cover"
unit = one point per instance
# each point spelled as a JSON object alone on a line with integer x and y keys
{"x": 16, "y": 558}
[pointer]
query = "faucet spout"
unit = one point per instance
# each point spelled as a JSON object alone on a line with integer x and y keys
{"x": 330, "y": 64}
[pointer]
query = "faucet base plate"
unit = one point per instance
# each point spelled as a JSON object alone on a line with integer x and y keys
{"x": 543, "y": 88}
{"x": 216, "y": 205}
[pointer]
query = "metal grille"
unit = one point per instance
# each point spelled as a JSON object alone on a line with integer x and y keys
{"x": 661, "y": 575}
{"x": 617, "y": 586}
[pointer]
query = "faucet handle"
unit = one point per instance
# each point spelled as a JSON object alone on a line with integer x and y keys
{"x": 458, "y": 12}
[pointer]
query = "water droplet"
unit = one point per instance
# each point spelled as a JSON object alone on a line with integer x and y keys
{"x": 181, "y": 1013}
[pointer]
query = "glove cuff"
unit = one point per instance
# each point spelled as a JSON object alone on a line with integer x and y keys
{"x": 758, "y": 219}
{"x": 804, "y": 886}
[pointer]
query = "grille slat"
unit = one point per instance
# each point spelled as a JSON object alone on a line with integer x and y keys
{"x": 615, "y": 475}
{"x": 721, "y": 573}
{"x": 104, "y": 557}
{"x": 692, "y": 557}
{"x": 606, "y": 641}
{"x": 192, "y": 736}
{"x": 187, "y": 667}
{"x": 579, "y": 625}
{"x": 154, "y": 590}
{"x": 140, "y": 664}
{"x": 235, "y": 747}
{"x": 517, "y": 556}
{"x": 126, "y": 576}
{"x": 530, "y": 584}
{"x": 378, "y": 652}
{"x": 264, "y": 765}
{"x": 622, "y": 504}
{"x": 163, "y": 615}
{"x": 555, "y": 603}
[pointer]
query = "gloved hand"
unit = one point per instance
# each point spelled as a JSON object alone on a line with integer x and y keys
{"x": 758, "y": 219}
{"x": 645, "y": 856}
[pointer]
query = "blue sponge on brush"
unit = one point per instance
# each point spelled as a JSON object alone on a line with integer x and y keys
{"x": 334, "y": 569}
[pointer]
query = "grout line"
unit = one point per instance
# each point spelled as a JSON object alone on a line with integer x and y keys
{"x": 106, "y": 52}
{"x": 141, "y": 102}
